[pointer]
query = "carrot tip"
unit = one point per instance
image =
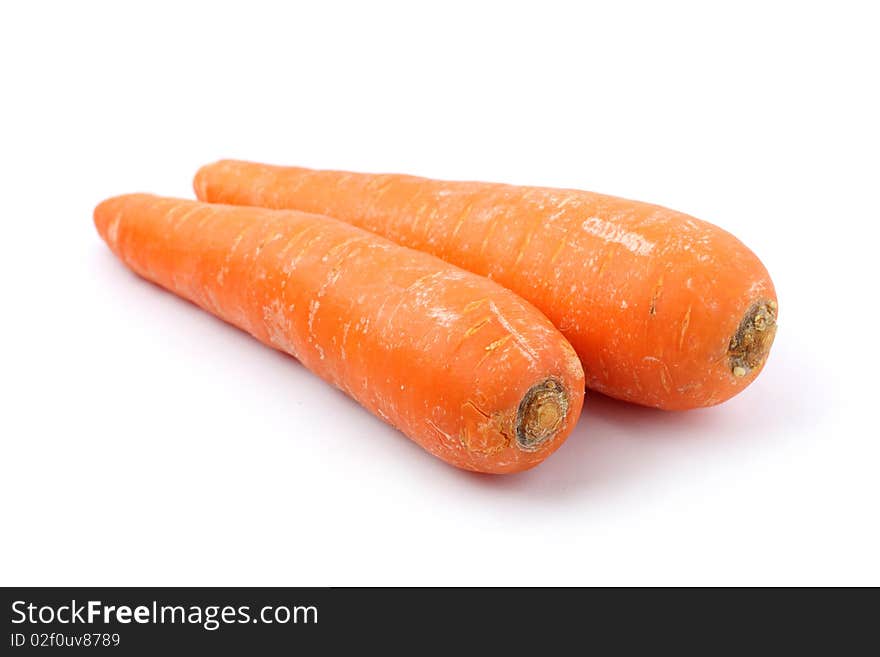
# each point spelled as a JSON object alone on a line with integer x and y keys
{"x": 540, "y": 414}
{"x": 751, "y": 343}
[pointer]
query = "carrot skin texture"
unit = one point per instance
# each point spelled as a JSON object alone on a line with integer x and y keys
{"x": 650, "y": 298}
{"x": 445, "y": 356}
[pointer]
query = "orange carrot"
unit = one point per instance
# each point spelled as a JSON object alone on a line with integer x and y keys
{"x": 663, "y": 309}
{"x": 464, "y": 367}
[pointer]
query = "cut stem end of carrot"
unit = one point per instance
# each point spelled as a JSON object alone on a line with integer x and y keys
{"x": 751, "y": 343}
{"x": 541, "y": 413}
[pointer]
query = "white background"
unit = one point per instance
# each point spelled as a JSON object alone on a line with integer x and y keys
{"x": 145, "y": 442}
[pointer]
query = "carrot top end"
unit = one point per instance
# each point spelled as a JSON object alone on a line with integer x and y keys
{"x": 541, "y": 413}
{"x": 751, "y": 343}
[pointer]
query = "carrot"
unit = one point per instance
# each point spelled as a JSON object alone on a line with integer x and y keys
{"x": 663, "y": 309}
{"x": 464, "y": 367}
